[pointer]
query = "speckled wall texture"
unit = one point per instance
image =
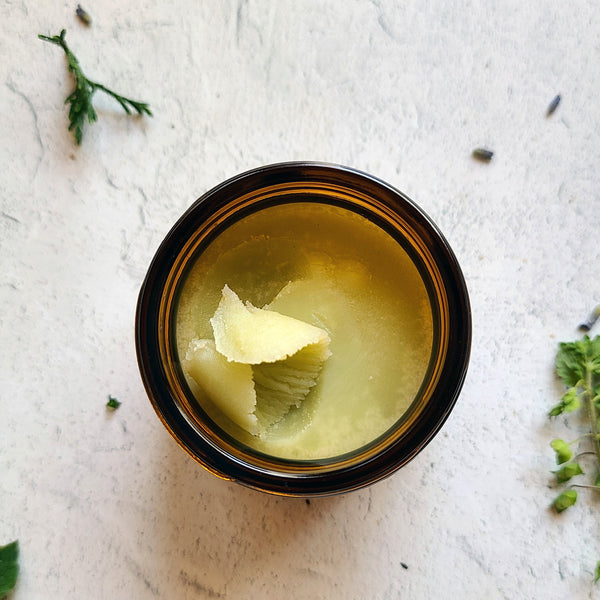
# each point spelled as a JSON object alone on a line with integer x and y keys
{"x": 106, "y": 505}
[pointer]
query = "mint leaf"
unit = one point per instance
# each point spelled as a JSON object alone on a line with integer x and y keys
{"x": 9, "y": 567}
{"x": 569, "y": 363}
{"x": 594, "y": 346}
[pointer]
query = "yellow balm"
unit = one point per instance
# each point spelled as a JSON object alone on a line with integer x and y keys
{"x": 260, "y": 365}
{"x": 344, "y": 291}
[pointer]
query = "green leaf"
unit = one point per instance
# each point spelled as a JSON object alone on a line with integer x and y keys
{"x": 566, "y": 499}
{"x": 565, "y": 473}
{"x": 568, "y": 403}
{"x": 113, "y": 403}
{"x": 9, "y": 567}
{"x": 570, "y": 400}
{"x": 594, "y": 346}
{"x": 563, "y": 451}
{"x": 597, "y": 572}
{"x": 569, "y": 362}
{"x": 81, "y": 98}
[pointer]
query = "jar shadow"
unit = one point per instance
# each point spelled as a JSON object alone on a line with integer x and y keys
{"x": 220, "y": 539}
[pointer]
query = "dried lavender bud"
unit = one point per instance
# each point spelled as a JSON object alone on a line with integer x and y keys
{"x": 587, "y": 325}
{"x": 483, "y": 154}
{"x": 553, "y": 105}
{"x": 83, "y": 15}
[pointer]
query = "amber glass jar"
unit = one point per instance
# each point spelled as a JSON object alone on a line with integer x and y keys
{"x": 306, "y": 190}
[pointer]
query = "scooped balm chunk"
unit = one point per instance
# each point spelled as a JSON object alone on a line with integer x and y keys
{"x": 229, "y": 385}
{"x": 246, "y": 334}
{"x": 260, "y": 364}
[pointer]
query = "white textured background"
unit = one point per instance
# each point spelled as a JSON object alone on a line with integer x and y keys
{"x": 106, "y": 505}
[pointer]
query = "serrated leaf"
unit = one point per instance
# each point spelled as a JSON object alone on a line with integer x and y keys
{"x": 9, "y": 567}
{"x": 594, "y": 345}
{"x": 568, "y": 363}
{"x": 565, "y": 500}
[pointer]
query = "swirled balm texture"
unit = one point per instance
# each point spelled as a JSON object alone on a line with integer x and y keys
{"x": 259, "y": 365}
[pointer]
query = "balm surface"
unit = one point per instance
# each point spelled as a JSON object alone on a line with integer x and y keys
{"x": 334, "y": 269}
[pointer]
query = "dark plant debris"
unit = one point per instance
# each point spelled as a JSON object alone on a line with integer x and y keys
{"x": 483, "y": 154}
{"x": 112, "y": 403}
{"x": 83, "y": 16}
{"x": 553, "y": 105}
{"x": 591, "y": 321}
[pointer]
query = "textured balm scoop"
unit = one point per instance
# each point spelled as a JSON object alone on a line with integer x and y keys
{"x": 260, "y": 365}
{"x": 246, "y": 334}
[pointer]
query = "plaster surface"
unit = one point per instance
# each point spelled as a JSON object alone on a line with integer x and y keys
{"x": 106, "y": 505}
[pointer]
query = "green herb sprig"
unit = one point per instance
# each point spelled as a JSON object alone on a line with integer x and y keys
{"x": 81, "y": 97}
{"x": 578, "y": 366}
{"x": 9, "y": 567}
{"x": 112, "y": 403}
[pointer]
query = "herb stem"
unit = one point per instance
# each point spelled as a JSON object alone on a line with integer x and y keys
{"x": 585, "y": 487}
{"x": 591, "y": 408}
{"x": 590, "y": 434}
{"x": 140, "y": 107}
{"x": 586, "y": 453}
{"x": 578, "y": 366}
{"x": 81, "y": 97}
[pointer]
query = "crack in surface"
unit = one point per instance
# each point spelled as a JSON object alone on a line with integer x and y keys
{"x": 13, "y": 88}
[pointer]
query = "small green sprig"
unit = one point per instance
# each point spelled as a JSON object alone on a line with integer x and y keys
{"x": 81, "y": 97}
{"x": 112, "y": 403}
{"x": 578, "y": 366}
{"x": 9, "y": 567}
